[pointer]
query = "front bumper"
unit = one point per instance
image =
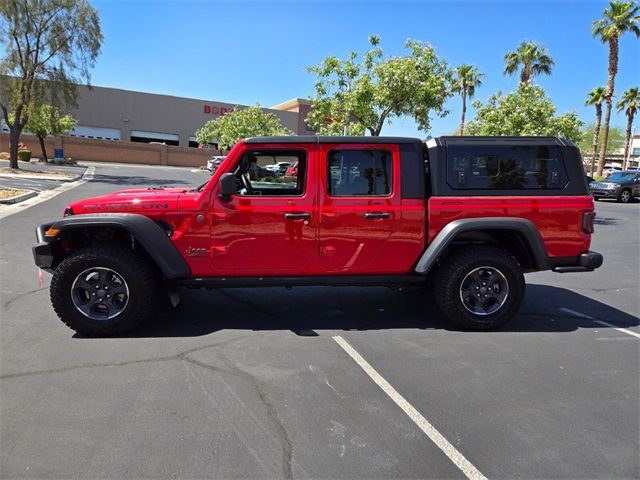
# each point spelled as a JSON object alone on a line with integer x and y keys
{"x": 604, "y": 193}
{"x": 43, "y": 251}
{"x": 586, "y": 262}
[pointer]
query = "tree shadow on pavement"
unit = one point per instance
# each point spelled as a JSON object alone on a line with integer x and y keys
{"x": 305, "y": 310}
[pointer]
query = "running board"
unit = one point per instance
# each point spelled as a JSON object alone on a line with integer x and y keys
{"x": 319, "y": 281}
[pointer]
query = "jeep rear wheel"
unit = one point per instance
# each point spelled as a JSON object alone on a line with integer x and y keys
{"x": 480, "y": 288}
{"x": 103, "y": 291}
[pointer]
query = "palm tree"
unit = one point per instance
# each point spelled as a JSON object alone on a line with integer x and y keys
{"x": 619, "y": 18}
{"x": 595, "y": 98}
{"x": 467, "y": 79}
{"x": 629, "y": 102}
{"x": 534, "y": 59}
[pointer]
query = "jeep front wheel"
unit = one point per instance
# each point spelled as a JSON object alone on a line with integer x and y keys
{"x": 480, "y": 288}
{"x": 625, "y": 196}
{"x": 104, "y": 291}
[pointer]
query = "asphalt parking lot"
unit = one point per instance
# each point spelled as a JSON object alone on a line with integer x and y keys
{"x": 323, "y": 382}
{"x": 39, "y": 184}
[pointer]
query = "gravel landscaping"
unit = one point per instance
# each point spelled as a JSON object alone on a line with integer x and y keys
{"x": 6, "y": 193}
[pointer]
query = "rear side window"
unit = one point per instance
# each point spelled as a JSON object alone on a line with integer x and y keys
{"x": 505, "y": 168}
{"x": 355, "y": 172}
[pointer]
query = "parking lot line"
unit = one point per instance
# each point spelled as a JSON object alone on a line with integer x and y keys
{"x": 606, "y": 324}
{"x": 430, "y": 431}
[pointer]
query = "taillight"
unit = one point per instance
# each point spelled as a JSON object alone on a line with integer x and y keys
{"x": 587, "y": 221}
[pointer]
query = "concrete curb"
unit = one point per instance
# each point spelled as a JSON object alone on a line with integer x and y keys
{"x": 19, "y": 198}
{"x": 70, "y": 178}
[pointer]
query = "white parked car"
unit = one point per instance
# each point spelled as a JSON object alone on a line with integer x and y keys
{"x": 214, "y": 162}
{"x": 279, "y": 168}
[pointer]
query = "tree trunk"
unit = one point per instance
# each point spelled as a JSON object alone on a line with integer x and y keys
{"x": 628, "y": 142}
{"x": 43, "y": 148}
{"x": 14, "y": 139}
{"x": 608, "y": 95}
{"x": 596, "y": 134}
{"x": 464, "y": 110}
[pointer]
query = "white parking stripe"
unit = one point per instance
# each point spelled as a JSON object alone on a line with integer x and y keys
{"x": 575, "y": 314}
{"x": 430, "y": 431}
{"x": 601, "y": 322}
{"x": 620, "y": 329}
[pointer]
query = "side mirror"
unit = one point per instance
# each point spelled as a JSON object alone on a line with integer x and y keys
{"x": 227, "y": 186}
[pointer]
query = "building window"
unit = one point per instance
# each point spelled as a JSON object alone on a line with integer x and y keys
{"x": 359, "y": 172}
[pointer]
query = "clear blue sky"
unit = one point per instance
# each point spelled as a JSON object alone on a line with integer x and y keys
{"x": 257, "y": 52}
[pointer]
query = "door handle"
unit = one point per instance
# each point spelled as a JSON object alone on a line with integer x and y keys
{"x": 297, "y": 216}
{"x": 377, "y": 216}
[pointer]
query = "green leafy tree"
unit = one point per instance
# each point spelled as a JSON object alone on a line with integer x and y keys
{"x": 363, "y": 94}
{"x": 526, "y": 111}
{"x": 49, "y": 46}
{"x": 595, "y": 98}
{"x": 47, "y": 120}
{"x": 466, "y": 79}
{"x": 533, "y": 58}
{"x": 238, "y": 124}
{"x": 629, "y": 102}
{"x": 618, "y": 19}
{"x": 615, "y": 143}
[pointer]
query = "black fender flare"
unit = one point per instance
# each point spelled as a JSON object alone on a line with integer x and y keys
{"x": 521, "y": 225}
{"x": 146, "y": 232}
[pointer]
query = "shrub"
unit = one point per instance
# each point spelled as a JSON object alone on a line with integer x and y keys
{"x": 4, "y": 156}
{"x": 24, "y": 155}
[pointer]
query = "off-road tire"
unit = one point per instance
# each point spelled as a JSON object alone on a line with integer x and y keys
{"x": 625, "y": 196}
{"x": 457, "y": 266}
{"x": 142, "y": 280}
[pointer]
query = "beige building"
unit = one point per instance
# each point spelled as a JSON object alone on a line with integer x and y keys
{"x": 115, "y": 114}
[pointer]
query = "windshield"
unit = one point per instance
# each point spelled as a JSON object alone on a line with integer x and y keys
{"x": 622, "y": 176}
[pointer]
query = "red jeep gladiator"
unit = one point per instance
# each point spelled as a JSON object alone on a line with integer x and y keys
{"x": 474, "y": 212}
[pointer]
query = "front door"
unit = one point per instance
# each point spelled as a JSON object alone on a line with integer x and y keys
{"x": 269, "y": 226}
{"x": 360, "y": 209}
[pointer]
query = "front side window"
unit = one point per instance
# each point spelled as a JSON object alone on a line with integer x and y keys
{"x": 271, "y": 173}
{"x": 505, "y": 168}
{"x": 354, "y": 172}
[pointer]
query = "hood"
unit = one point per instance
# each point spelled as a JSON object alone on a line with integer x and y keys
{"x": 131, "y": 201}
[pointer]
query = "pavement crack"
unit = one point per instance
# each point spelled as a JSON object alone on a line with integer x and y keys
{"x": 168, "y": 358}
{"x": 234, "y": 370}
{"x": 18, "y": 297}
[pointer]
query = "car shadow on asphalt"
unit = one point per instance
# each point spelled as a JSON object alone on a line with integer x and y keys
{"x": 128, "y": 180}
{"x": 307, "y": 310}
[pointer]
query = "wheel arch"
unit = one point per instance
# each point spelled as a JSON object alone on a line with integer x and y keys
{"x": 146, "y": 233}
{"x": 518, "y": 236}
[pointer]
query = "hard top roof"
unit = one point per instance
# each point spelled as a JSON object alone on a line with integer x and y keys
{"x": 330, "y": 139}
{"x": 507, "y": 140}
{"x": 443, "y": 141}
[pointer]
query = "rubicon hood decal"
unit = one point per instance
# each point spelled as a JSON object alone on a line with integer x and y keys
{"x": 131, "y": 201}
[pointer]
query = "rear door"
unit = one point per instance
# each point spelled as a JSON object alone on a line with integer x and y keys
{"x": 360, "y": 207}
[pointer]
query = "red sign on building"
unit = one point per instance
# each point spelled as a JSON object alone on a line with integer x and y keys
{"x": 213, "y": 110}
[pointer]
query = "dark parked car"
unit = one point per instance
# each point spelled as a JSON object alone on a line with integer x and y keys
{"x": 623, "y": 186}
